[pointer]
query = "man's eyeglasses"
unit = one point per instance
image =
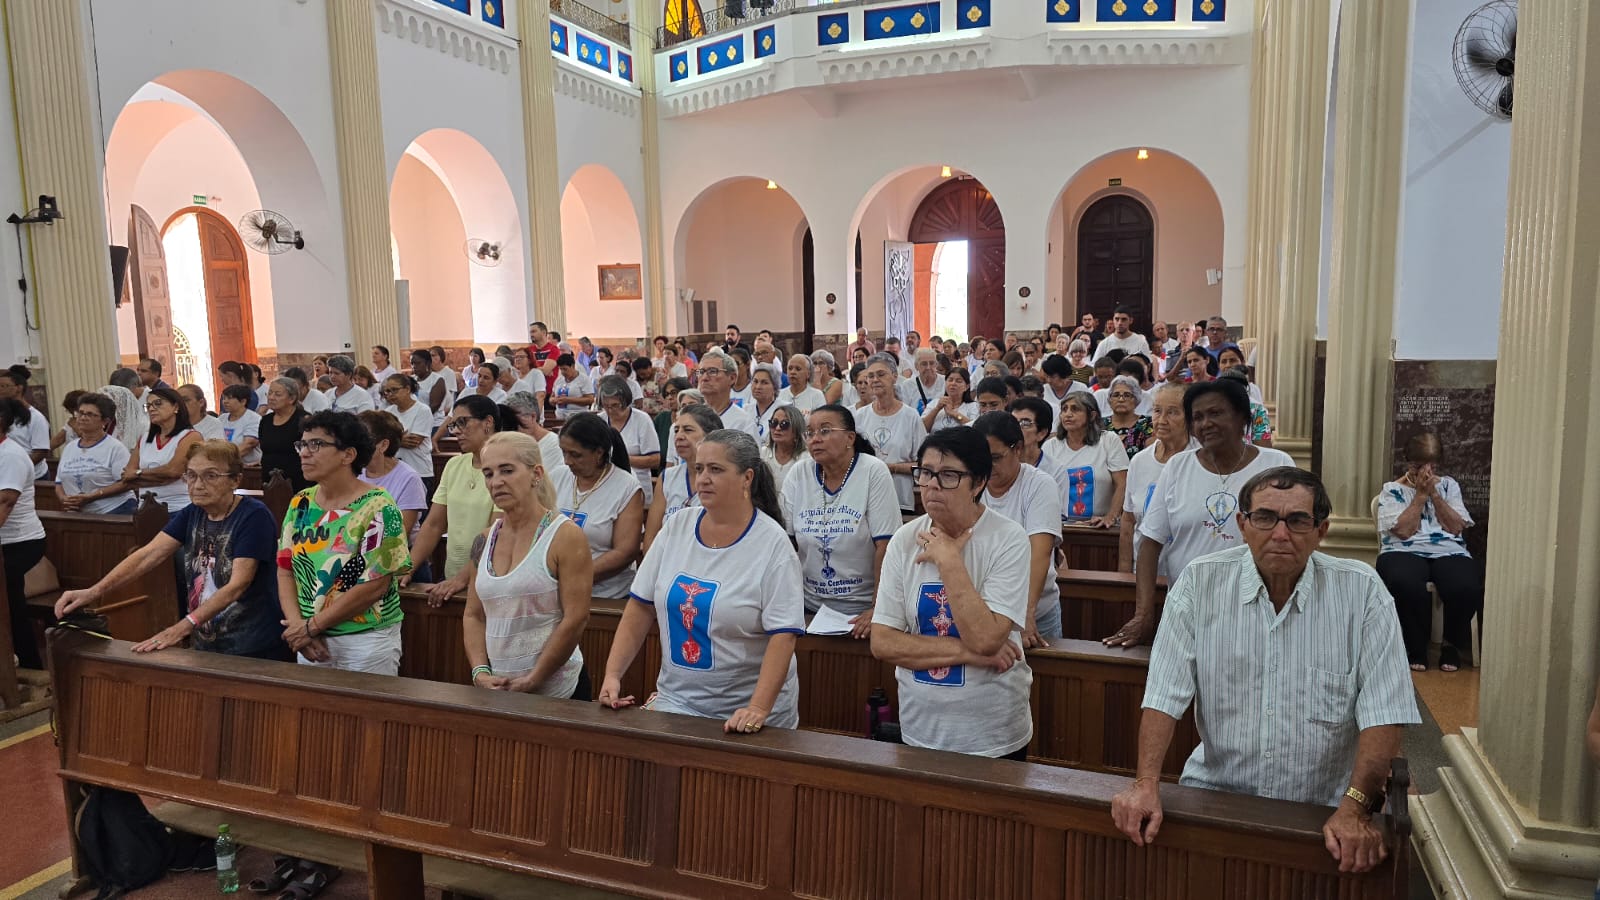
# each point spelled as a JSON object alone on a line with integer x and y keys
{"x": 88, "y": 414}
{"x": 210, "y": 476}
{"x": 1266, "y": 520}
{"x": 949, "y": 479}
{"x": 313, "y": 445}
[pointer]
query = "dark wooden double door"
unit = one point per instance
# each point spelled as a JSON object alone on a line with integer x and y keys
{"x": 964, "y": 210}
{"x": 1116, "y": 259}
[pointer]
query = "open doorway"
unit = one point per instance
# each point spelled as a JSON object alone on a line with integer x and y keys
{"x": 209, "y": 287}
{"x": 947, "y": 289}
{"x": 960, "y": 249}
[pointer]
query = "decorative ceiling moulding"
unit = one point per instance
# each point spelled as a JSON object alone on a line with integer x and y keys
{"x": 574, "y": 82}
{"x": 844, "y": 67}
{"x": 1067, "y": 49}
{"x": 451, "y": 36}
{"x": 747, "y": 85}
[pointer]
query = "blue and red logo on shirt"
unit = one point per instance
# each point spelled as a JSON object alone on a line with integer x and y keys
{"x": 934, "y": 620}
{"x": 689, "y": 602}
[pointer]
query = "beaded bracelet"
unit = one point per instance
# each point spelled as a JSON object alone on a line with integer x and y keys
{"x": 480, "y": 670}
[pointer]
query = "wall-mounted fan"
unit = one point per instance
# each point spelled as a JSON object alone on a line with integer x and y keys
{"x": 482, "y": 252}
{"x": 269, "y": 232}
{"x": 1485, "y": 56}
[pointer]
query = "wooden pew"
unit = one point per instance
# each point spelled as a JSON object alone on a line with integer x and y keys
{"x": 83, "y": 547}
{"x": 252, "y": 479}
{"x": 655, "y": 804}
{"x": 1085, "y": 702}
{"x": 1095, "y": 604}
{"x": 1090, "y": 548}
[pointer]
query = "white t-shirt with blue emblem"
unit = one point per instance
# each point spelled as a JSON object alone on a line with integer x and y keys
{"x": 715, "y": 610}
{"x": 1430, "y": 539}
{"x": 962, "y": 709}
{"x": 837, "y": 532}
{"x": 895, "y": 438}
{"x": 596, "y": 513}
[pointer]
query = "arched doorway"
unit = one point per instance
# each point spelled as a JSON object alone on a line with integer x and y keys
{"x": 964, "y": 210}
{"x": 600, "y": 234}
{"x": 1116, "y": 259}
{"x": 740, "y": 248}
{"x": 208, "y": 277}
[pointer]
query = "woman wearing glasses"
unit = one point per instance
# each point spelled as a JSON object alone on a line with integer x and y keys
{"x": 1192, "y": 510}
{"x": 675, "y": 488}
{"x": 461, "y": 504}
{"x": 785, "y": 444}
{"x": 415, "y": 450}
{"x": 226, "y": 545}
{"x": 894, "y": 428}
{"x": 951, "y": 606}
{"x": 637, "y": 430}
{"x": 841, "y": 508}
{"x": 342, "y": 546}
{"x": 89, "y": 478}
{"x": 157, "y": 463}
{"x": 279, "y": 429}
{"x": 1125, "y": 422}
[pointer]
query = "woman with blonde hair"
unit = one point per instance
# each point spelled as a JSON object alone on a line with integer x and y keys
{"x": 528, "y": 599}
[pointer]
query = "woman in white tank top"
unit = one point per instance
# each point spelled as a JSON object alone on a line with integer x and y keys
{"x": 528, "y": 601}
{"x": 158, "y": 461}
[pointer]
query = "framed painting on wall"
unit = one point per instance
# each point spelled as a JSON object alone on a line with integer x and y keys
{"x": 620, "y": 282}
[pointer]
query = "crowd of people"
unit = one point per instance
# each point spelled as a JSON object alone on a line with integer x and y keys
{"x": 727, "y": 492}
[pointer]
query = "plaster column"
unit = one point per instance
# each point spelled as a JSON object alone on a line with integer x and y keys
{"x": 538, "y": 70}
{"x": 69, "y": 282}
{"x": 1368, "y": 172}
{"x": 1268, "y": 96}
{"x": 1519, "y": 808}
{"x": 657, "y": 301}
{"x": 363, "y": 181}
{"x": 1289, "y": 337}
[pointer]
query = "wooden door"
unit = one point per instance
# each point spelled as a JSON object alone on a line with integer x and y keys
{"x": 227, "y": 290}
{"x": 147, "y": 284}
{"x": 1116, "y": 260}
{"x": 963, "y": 210}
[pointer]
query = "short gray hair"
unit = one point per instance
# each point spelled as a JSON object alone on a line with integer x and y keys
{"x": 344, "y": 364}
{"x": 1131, "y": 382}
{"x": 824, "y": 357}
{"x": 124, "y": 377}
{"x": 803, "y": 358}
{"x": 885, "y": 359}
{"x": 614, "y": 387}
{"x": 524, "y": 402}
{"x": 289, "y": 385}
{"x": 722, "y": 361}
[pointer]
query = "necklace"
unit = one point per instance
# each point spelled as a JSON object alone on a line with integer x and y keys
{"x": 581, "y": 497}
{"x": 1224, "y": 476}
{"x": 829, "y": 498}
{"x": 1222, "y": 504}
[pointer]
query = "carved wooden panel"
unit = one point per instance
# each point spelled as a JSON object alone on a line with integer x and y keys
{"x": 1062, "y": 706}
{"x": 324, "y": 772}
{"x": 1099, "y": 866}
{"x": 986, "y": 286}
{"x": 899, "y": 300}
{"x": 107, "y": 719}
{"x": 416, "y": 777}
{"x": 722, "y": 826}
{"x": 977, "y": 856}
{"x": 844, "y": 845}
{"x": 147, "y": 285}
{"x": 174, "y": 731}
{"x": 851, "y": 672}
{"x": 431, "y": 642}
{"x": 610, "y": 813}
{"x": 1116, "y": 259}
{"x": 945, "y": 214}
{"x": 228, "y": 309}
{"x": 518, "y": 805}
{"x": 1246, "y": 878}
{"x": 249, "y": 754}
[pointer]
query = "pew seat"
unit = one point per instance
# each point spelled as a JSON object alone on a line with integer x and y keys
{"x": 1090, "y": 548}
{"x": 653, "y": 804}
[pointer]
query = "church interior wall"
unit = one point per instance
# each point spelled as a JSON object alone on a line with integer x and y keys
{"x": 1023, "y": 141}
{"x": 19, "y": 341}
{"x": 246, "y": 71}
{"x": 598, "y": 227}
{"x": 741, "y": 247}
{"x": 429, "y": 235}
{"x": 459, "y": 117}
{"x": 1453, "y": 209}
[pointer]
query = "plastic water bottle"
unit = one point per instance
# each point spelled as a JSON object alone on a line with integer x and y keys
{"x": 227, "y": 853}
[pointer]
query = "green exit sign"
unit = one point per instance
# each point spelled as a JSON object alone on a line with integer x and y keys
{"x": 199, "y": 199}
{"x": 1114, "y": 182}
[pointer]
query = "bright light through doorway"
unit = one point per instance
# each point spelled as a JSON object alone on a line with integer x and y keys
{"x": 186, "y": 280}
{"x": 950, "y": 290}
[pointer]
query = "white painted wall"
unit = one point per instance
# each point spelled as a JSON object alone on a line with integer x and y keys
{"x": 598, "y": 227}
{"x": 465, "y": 117}
{"x": 19, "y": 343}
{"x": 1024, "y": 145}
{"x": 1188, "y": 232}
{"x": 429, "y": 233}
{"x": 275, "y": 103}
{"x": 1453, "y": 236}
{"x": 741, "y": 248}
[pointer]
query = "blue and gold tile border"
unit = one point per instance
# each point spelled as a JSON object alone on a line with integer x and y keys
{"x": 678, "y": 67}
{"x": 972, "y": 14}
{"x": 594, "y": 53}
{"x": 460, "y": 6}
{"x": 493, "y": 12}
{"x": 900, "y": 21}
{"x": 558, "y": 38}
{"x": 833, "y": 28}
{"x": 1063, "y": 11}
{"x": 624, "y": 66}
{"x": 1136, "y": 10}
{"x": 766, "y": 40}
{"x": 719, "y": 54}
{"x": 1210, "y": 10}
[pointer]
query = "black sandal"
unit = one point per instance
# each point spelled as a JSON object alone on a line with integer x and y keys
{"x": 282, "y": 873}
{"x": 1449, "y": 659}
{"x": 316, "y": 880}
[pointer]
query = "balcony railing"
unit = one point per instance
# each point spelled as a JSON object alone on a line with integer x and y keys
{"x": 732, "y": 14}
{"x": 593, "y": 20}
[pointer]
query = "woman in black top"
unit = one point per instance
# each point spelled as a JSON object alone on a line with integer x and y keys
{"x": 280, "y": 428}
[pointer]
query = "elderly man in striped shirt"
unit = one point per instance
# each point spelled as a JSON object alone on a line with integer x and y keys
{"x": 1294, "y": 662}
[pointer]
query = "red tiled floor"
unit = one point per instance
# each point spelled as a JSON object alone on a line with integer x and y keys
{"x": 37, "y": 839}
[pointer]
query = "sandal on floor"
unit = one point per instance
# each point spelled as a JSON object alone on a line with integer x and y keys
{"x": 1449, "y": 660}
{"x": 282, "y": 873}
{"x": 1419, "y": 667}
{"x": 316, "y": 880}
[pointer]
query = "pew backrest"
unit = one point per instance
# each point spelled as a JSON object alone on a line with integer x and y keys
{"x": 83, "y": 547}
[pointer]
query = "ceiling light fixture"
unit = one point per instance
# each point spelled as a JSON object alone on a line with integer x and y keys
{"x": 944, "y": 172}
{"x": 1143, "y": 153}
{"x": 772, "y": 185}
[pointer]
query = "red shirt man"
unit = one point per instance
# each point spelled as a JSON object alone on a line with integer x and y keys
{"x": 542, "y": 350}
